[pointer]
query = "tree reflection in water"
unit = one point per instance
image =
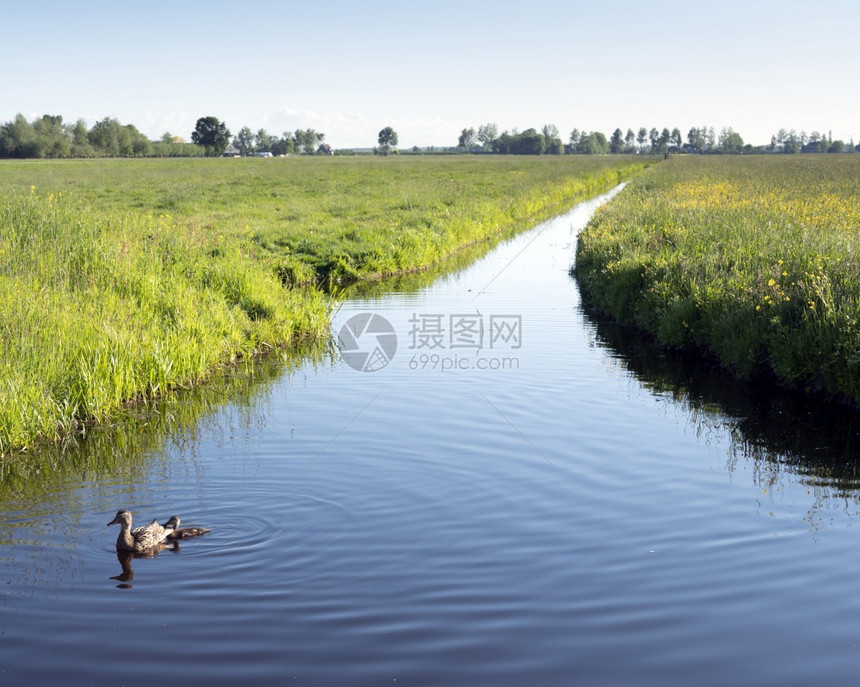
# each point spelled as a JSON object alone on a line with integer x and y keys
{"x": 784, "y": 434}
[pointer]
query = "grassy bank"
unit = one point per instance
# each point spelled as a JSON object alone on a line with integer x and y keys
{"x": 752, "y": 260}
{"x": 122, "y": 280}
{"x": 97, "y": 309}
{"x": 341, "y": 219}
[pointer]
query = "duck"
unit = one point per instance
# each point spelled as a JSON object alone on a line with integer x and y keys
{"x": 140, "y": 539}
{"x": 185, "y": 533}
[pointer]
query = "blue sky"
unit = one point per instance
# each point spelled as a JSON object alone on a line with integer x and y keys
{"x": 430, "y": 69}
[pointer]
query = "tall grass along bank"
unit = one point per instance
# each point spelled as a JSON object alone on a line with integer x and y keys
{"x": 122, "y": 280}
{"x": 97, "y": 309}
{"x": 751, "y": 260}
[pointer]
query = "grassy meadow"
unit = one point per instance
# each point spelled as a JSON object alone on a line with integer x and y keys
{"x": 753, "y": 260}
{"x": 319, "y": 220}
{"x": 122, "y": 280}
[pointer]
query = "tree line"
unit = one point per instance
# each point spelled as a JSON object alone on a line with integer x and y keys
{"x": 486, "y": 139}
{"x": 306, "y": 141}
{"x": 791, "y": 142}
{"x": 50, "y": 137}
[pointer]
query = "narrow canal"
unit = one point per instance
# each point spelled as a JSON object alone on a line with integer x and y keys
{"x": 484, "y": 486}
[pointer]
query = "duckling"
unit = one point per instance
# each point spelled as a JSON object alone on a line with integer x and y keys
{"x": 140, "y": 539}
{"x": 185, "y": 533}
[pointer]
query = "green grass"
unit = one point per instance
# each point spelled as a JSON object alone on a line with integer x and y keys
{"x": 122, "y": 280}
{"x": 99, "y": 309}
{"x": 752, "y": 260}
{"x": 342, "y": 219}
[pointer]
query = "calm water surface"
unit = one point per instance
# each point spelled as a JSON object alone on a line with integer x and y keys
{"x": 520, "y": 496}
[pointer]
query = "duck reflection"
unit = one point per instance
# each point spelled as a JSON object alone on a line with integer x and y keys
{"x": 127, "y": 574}
{"x": 125, "y": 557}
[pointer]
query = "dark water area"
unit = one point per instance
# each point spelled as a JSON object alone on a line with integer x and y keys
{"x": 785, "y": 429}
{"x": 510, "y": 493}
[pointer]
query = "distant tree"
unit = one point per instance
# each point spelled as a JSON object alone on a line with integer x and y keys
{"x": 665, "y": 137}
{"x": 503, "y": 143}
{"x": 81, "y": 146}
{"x": 780, "y": 137}
{"x": 301, "y": 140}
{"x": 554, "y": 147}
{"x": 710, "y": 138}
{"x": 110, "y": 138}
{"x": 786, "y": 141}
{"x": 468, "y": 138}
{"x": 529, "y": 142}
{"x": 388, "y": 137}
{"x": 696, "y": 139}
{"x": 575, "y": 137}
{"x": 285, "y": 145}
{"x": 836, "y": 147}
{"x": 629, "y": 140}
{"x": 593, "y": 144}
{"x": 106, "y": 138}
{"x": 18, "y": 139}
{"x": 244, "y": 141}
{"x": 675, "y": 139}
{"x": 642, "y": 137}
{"x": 51, "y": 136}
{"x": 263, "y": 141}
{"x": 140, "y": 145}
{"x": 552, "y": 143}
{"x": 487, "y": 135}
{"x": 212, "y": 134}
{"x": 654, "y": 137}
{"x": 815, "y": 143}
{"x": 549, "y": 131}
{"x": 387, "y": 140}
{"x": 171, "y": 146}
{"x": 730, "y": 141}
{"x": 616, "y": 143}
{"x": 308, "y": 140}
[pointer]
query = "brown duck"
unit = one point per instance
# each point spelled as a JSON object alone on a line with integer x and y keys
{"x": 140, "y": 539}
{"x": 175, "y": 533}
